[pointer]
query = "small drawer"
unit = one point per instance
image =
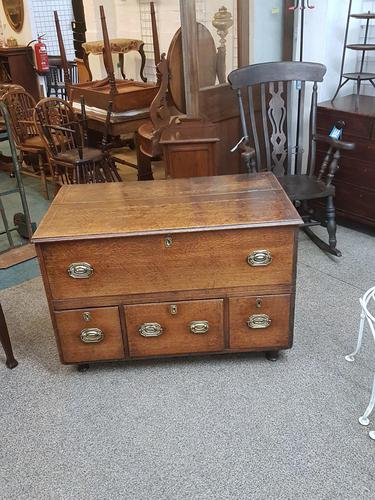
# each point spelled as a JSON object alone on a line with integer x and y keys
{"x": 260, "y": 322}
{"x": 90, "y": 335}
{"x": 175, "y": 328}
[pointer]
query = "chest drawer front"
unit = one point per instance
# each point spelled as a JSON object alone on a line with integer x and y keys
{"x": 260, "y": 322}
{"x": 90, "y": 335}
{"x": 150, "y": 264}
{"x": 175, "y": 328}
{"x": 355, "y": 125}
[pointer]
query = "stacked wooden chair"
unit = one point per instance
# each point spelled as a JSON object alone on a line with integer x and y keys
{"x": 65, "y": 136}
{"x": 20, "y": 105}
{"x": 289, "y": 151}
{"x": 10, "y": 362}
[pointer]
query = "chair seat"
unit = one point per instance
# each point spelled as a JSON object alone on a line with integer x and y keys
{"x": 72, "y": 156}
{"x": 305, "y": 187}
{"x": 35, "y": 142}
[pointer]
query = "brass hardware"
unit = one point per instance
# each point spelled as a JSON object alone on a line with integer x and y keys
{"x": 258, "y": 303}
{"x": 173, "y": 309}
{"x": 91, "y": 336}
{"x": 80, "y": 270}
{"x": 259, "y": 258}
{"x": 199, "y": 327}
{"x": 151, "y": 330}
{"x": 86, "y": 316}
{"x": 259, "y": 321}
{"x": 168, "y": 242}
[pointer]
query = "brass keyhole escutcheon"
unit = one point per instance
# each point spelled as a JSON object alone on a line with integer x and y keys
{"x": 86, "y": 316}
{"x": 173, "y": 309}
{"x": 168, "y": 242}
{"x": 258, "y": 303}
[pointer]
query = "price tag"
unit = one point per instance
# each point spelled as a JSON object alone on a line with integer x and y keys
{"x": 336, "y": 133}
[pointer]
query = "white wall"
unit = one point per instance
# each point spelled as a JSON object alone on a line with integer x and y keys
{"x": 26, "y": 34}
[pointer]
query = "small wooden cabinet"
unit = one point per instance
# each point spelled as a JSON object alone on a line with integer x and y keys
{"x": 169, "y": 268}
{"x": 16, "y": 66}
{"x": 355, "y": 180}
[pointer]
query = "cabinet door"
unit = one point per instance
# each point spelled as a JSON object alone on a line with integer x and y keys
{"x": 261, "y": 322}
{"x": 90, "y": 335}
{"x": 175, "y": 328}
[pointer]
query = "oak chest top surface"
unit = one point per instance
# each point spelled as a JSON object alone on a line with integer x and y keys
{"x": 166, "y": 206}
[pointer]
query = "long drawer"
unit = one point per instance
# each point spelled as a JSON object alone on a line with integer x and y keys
{"x": 187, "y": 261}
{"x": 175, "y": 328}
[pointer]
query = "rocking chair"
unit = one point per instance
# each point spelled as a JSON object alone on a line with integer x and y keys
{"x": 280, "y": 142}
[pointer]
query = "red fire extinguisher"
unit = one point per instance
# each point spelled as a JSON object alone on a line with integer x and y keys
{"x": 41, "y": 55}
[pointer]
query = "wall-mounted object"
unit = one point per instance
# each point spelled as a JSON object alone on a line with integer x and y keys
{"x": 15, "y": 14}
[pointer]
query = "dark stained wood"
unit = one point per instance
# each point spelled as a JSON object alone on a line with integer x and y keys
{"x": 276, "y": 307}
{"x": 172, "y": 206}
{"x": 71, "y": 323}
{"x": 5, "y": 342}
{"x": 141, "y": 267}
{"x": 176, "y": 337}
{"x": 355, "y": 179}
{"x": 18, "y": 64}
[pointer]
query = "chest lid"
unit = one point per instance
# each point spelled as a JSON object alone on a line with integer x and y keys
{"x": 166, "y": 206}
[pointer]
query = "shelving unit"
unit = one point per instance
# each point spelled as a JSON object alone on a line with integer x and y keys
{"x": 361, "y": 75}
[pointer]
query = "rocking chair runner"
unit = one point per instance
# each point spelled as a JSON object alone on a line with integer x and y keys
{"x": 66, "y": 139}
{"x": 279, "y": 139}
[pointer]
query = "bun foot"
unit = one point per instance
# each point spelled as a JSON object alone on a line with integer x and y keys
{"x": 272, "y": 355}
{"x": 83, "y": 367}
{"x": 11, "y": 363}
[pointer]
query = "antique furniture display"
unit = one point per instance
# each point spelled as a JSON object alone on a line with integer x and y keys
{"x": 367, "y": 302}
{"x": 169, "y": 268}
{"x": 10, "y": 362}
{"x": 65, "y": 136}
{"x": 29, "y": 143}
{"x": 6, "y": 161}
{"x": 16, "y": 67}
{"x": 15, "y": 253}
{"x": 118, "y": 46}
{"x": 355, "y": 180}
{"x": 124, "y": 94}
{"x": 55, "y": 83}
{"x": 15, "y": 14}
{"x": 362, "y": 48}
{"x": 279, "y": 149}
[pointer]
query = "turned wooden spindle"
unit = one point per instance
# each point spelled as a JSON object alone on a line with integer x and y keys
{"x": 64, "y": 59}
{"x": 107, "y": 54}
{"x": 155, "y": 35}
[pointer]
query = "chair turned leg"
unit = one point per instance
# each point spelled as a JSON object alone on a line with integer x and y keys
{"x": 43, "y": 178}
{"x": 11, "y": 362}
{"x": 331, "y": 223}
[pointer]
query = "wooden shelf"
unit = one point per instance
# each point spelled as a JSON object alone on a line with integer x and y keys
{"x": 364, "y": 15}
{"x": 362, "y": 46}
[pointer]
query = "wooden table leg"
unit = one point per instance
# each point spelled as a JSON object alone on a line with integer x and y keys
{"x": 11, "y": 362}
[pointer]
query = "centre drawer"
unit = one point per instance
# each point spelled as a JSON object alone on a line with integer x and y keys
{"x": 90, "y": 334}
{"x": 260, "y": 322}
{"x": 162, "y": 263}
{"x": 175, "y": 328}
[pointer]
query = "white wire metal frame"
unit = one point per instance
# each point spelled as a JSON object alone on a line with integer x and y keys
{"x": 366, "y": 317}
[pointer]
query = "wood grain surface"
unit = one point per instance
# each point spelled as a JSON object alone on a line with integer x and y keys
{"x": 176, "y": 337}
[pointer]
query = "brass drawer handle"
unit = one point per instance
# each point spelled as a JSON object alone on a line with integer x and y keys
{"x": 258, "y": 321}
{"x": 259, "y": 258}
{"x": 199, "y": 327}
{"x": 91, "y": 336}
{"x": 80, "y": 270}
{"x": 151, "y": 330}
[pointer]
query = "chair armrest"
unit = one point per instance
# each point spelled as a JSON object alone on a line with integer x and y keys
{"x": 248, "y": 156}
{"x": 341, "y": 145}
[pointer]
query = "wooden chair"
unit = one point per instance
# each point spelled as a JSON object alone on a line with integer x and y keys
{"x": 11, "y": 362}
{"x": 148, "y": 135}
{"x": 65, "y": 137}
{"x": 20, "y": 105}
{"x": 55, "y": 82}
{"x": 280, "y": 144}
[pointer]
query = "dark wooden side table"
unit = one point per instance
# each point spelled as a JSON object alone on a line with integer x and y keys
{"x": 11, "y": 362}
{"x": 16, "y": 67}
{"x": 355, "y": 180}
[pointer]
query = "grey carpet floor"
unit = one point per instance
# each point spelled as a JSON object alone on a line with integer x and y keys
{"x": 232, "y": 427}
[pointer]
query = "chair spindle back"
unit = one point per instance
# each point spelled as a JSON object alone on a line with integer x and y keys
{"x": 20, "y": 105}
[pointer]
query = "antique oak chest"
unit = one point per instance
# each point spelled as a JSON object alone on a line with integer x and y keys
{"x": 169, "y": 268}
